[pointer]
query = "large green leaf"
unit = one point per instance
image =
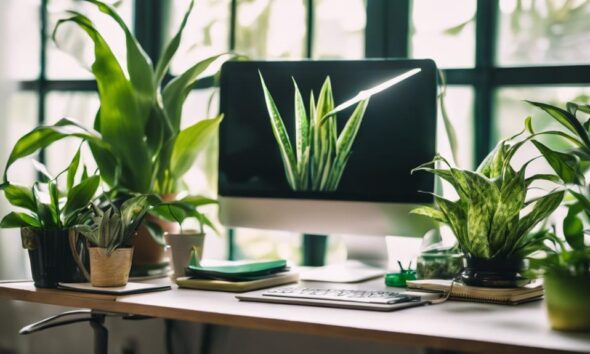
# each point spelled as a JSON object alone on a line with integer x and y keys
{"x": 16, "y": 220}
{"x": 20, "y": 196}
{"x": 43, "y": 136}
{"x": 72, "y": 170}
{"x": 121, "y": 123}
{"x": 172, "y": 47}
{"x": 190, "y": 142}
{"x": 301, "y": 126}
{"x": 431, "y": 213}
{"x": 566, "y": 119}
{"x": 176, "y": 92}
{"x": 573, "y": 230}
{"x": 567, "y": 166}
{"x": 81, "y": 195}
{"x": 282, "y": 138}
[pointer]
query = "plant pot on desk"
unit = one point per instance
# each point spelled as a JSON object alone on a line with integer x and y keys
{"x": 566, "y": 298}
{"x": 107, "y": 270}
{"x": 494, "y": 272}
{"x": 182, "y": 246}
{"x": 51, "y": 257}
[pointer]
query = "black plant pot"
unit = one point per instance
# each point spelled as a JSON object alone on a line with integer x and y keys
{"x": 494, "y": 273}
{"x": 51, "y": 258}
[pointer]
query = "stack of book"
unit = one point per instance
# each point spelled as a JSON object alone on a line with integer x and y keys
{"x": 237, "y": 276}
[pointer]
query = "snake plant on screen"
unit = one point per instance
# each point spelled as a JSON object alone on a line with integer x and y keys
{"x": 493, "y": 216}
{"x": 137, "y": 140}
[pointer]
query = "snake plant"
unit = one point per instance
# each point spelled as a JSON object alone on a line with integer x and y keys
{"x": 489, "y": 218}
{"x": 137, "y": 139}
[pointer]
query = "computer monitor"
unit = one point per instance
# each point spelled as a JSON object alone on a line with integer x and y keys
{"x": 376, "y": 191}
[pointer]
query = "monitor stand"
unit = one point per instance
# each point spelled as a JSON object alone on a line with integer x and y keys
{"x": 314, "y": 250}
{"x": 314, "y": 255}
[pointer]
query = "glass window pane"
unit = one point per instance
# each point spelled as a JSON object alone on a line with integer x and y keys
{"x": 20, "y": 21}
{"x": 20, "y": 116}
{"x": 206, "y": 32}
{"x": 543, "y": 32}
{"x": 459, "y": 107}
{"x": 79, "y": 106}
{"x": 72, "y": 40}
{"x": 271, "y": 28}
{"x": 339, "y": 29}
{"x": 444, "y": 33}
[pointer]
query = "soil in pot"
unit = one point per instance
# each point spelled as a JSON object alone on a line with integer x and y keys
{"x": 567, "y": 300}
{"x": 51, "y": 258}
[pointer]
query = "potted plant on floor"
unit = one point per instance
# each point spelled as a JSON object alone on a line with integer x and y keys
{"x": 567, "y": 271}
{"x": 488, "y": 218}
{"x": 142, "y": 146}
{"x": 183, "y": 243}
{"x": 47, "y": 214}
{"x": 110, "y": 234}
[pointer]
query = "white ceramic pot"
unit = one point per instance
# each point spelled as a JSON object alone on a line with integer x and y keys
{"x": 181, "y": 247}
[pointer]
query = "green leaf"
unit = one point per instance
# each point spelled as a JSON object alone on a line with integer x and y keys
{"x": 565, "y": 165}
{"x": 197, "y": 200}
{"x": 16, "y": 220}
{"x": 54, "y": 203}
{"x": 190, "y": 142}
{"x": 282, "y": 138}
{"x": 81, "y": 195}
{"x": 573, "y": 230}
{"x": 176, "y": 92}
{"x": 566, "y": 119}
{"x": 301, "y": 126}
{"x": 20, "y": 196}
{"x": 544, "y": 206}
{"x": 121, "y": 121}
{"x": 431, "y": 213}
{"x": 171, "y": 48}
{"x": 72, "y": 170}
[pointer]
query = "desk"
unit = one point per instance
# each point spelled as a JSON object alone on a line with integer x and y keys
{"x": 460, "y": 326}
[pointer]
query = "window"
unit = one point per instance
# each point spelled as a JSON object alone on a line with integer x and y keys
{"x": 494, "y": 54}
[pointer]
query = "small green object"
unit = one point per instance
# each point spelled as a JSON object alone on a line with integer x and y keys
{"x": 399, "y": 279}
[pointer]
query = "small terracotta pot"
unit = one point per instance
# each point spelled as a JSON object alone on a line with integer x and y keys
{"x": 110, "y": 271}
{"x": 182, "y": 246}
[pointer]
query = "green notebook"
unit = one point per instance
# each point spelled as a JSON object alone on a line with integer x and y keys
{"x": 240, "y": 271}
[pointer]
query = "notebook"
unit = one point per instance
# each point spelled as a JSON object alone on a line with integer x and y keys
{"x": 502, "y": 296}
{"x": 130, "y": 288}
{"x": 237, "y": 270}
{"x": 238, "y": 286}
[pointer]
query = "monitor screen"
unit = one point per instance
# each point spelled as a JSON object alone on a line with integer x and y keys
{"x": 396, "y": 134}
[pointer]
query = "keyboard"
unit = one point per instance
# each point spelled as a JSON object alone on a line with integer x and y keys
{"x": 359, "y": 299}
{"x": 364, "y": 296}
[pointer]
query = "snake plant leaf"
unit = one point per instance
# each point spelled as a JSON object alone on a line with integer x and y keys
{"x": 566, "y": 119}
{"x": 72, "y": 170}
{"x": 80, "y": 195}
{"x": 176, "y": 92}
{"x": 172, "y": 47}
{"x": 190, "y": 142}
{"x": 17, "y": 220}
{"x": 19, "y": 196}
{"x": 573, "y": 230}
{"x": 431, "y": 213}
{"x": 132, "y": 214}
{"x": 281, "y": 136}
{"x": 139, "y": 64}
{"x": 121, "y": 124}
{"x": 565, "y": 165}
{"x": 43, "y": 136}
{"x": 483, "y": 199}
{"x": 301, "y": 126}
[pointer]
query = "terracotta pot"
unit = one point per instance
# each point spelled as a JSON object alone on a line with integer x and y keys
{"x": 182, "y": 246}
{"x": 566, "y": 298}
{"x": 147, "y": 250}
{"x": 110, "y": 270}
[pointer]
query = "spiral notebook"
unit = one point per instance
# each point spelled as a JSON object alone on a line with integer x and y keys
{"x": 462, "y": 292}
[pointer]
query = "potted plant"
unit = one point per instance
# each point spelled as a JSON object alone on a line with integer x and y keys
{"x": 567, "y": 271}
{"x": 488, "y": 218}
{"x": 47, "y": 214}
{"x": 109, "y": 234}
{"x": 182, "y": 244}
{"x": 137, "y": 139}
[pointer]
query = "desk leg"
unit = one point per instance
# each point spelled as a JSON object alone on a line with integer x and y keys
{"x": 101, "y": 334}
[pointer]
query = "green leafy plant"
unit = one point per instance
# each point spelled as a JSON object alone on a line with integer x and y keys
{"x": 137, "y": 141}
{"x": 573, "y": 256}
{"x": 45, "y": 205}
{"x": 488, "y": 219}
{"x": 115, "y": 227}
{"x": 185, "y": 208}
{"x": 320, "y": 154}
